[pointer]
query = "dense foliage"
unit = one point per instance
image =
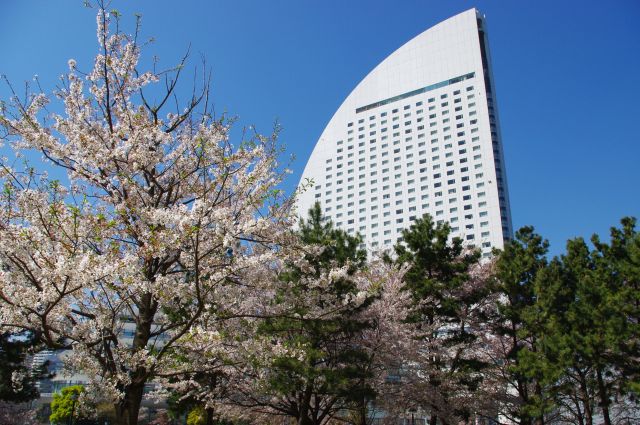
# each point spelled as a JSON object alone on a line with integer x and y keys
{"x": 159, "y": 227}
{"x": 313, "y": 321}
{"x": 65, "y": 407}
{"x": 567, "y": 329}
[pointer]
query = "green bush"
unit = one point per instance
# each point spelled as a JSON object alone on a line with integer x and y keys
{"x": 65, "y": 404}
{"x": 197, "y": 416}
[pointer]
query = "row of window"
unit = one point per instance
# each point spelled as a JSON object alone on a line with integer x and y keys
{"x": 417, "y": 92}
{"x": 395, "y": 172}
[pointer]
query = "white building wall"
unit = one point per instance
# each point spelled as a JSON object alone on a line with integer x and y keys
{"x": 415, "y": 137}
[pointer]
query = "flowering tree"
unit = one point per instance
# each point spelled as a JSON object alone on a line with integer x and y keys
{"x": 448, "y": 288}
{"x": 303, "y": 359}
{"x": 154, "y": 232}
{"x": 389, "y": 342}
{"x": 10, "y": 411}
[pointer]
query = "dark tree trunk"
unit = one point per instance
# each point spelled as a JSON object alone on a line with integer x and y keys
{"x": 540, "y": 418}
{"x": 305, "y": 408}
{"x": 209, "y": 416}
{"x": 522, "y": 384}
{"x": 586, "y": 399}
{"x": 305, "y": 420}
{"x": 578, "y": 414}
{"x": 128, "y": 408}
{"x": 135, "y": 400}
{"x": 120, "y": 414}
{"x": 363, "y": 411}
{"x": 604, "y": 399}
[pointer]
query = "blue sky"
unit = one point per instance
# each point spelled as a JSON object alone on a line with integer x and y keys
{"x": 567, "y": 75}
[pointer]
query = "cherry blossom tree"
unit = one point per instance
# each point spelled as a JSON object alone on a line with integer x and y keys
{"x": 388, "y": 343}
{"x": 149, "y": 242}
{"x": 304, "y": 359}
{"x": 10, "y": 411}
{"x": 304, "y": 338}
{"x": 449, "y": 290}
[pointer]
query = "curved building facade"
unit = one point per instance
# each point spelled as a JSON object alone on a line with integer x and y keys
{"x": 419, "y": 134}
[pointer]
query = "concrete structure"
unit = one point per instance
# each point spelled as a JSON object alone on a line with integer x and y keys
{"x": 418, "y": 135}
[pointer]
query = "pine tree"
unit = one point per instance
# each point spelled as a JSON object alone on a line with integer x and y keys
{"x": 317, "y": 368}
{"x": 621, "y": 258}
{"x": 517, "y": 266}
{"x": 582, "y": 320}
{"x": 438, "y": 278}
{"x": 555, "y": 364}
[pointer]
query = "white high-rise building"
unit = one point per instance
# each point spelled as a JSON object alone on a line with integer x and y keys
{"x": 418, "y": 135}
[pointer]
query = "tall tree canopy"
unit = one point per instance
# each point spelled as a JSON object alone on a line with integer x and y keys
{"x": 159, "y": 221}
{"x": 449, "y": 290}
{"x": 317, "y": 367}
{"x": 565, "y": 334}
{"x": 516, "y": 270}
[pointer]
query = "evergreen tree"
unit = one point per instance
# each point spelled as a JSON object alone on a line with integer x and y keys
{"x": 438, "y": 279}
{"x": 65, "y": 405}
{"x": 620, "y": 260}
{"x": 516, "y": 268}
{"x": 559, "y": 325}
{"x": 602, "y": 314}
{"x": 320, "y": 369}
{"x": 585, "y": 332}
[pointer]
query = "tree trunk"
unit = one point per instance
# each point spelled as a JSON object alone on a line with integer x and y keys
{"x": 135, "y": 400}
{"x": 522, "y": 384}
{"x": 209, "y": 416}
{"x": 604, "y": 399}
{"x": 433, "y": 420}
{"x": 363, "y": 411}
{"x": 540, "y": 418}
{"x": 305, "y": 407}
{"x": 128, "y": 408}
{"x": 304, "y": 420}
{"x": 578, "y": 414}
{"x": 120, "y": 414}
{"x": 586, "y": 399}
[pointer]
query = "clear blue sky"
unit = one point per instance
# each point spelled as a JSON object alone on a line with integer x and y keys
{"x": 567, "y": 76}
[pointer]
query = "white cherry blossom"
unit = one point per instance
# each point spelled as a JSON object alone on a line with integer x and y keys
{"x": 162, "y": 232}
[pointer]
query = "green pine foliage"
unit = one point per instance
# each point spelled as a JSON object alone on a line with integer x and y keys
{"x": 438, "y": 280}
{"x": 437, "y": 268}
{"x": 516, "y": 270}
{"x": 333, "y": 370}
{"x": 573, "y": 323}
{"x": 619, "y": 265}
